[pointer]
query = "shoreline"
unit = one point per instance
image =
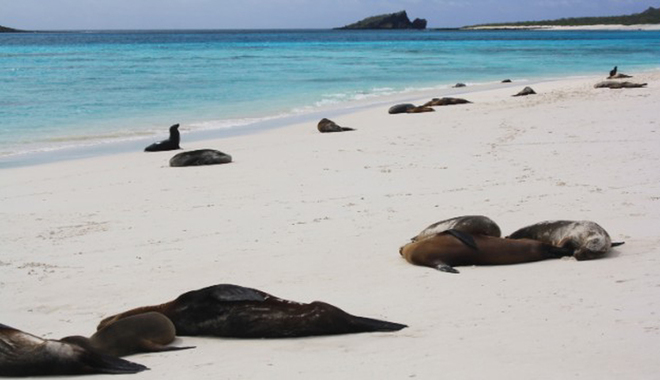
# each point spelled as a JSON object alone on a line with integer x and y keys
{"x": 191, "y": 132}
{"x": 600, "y": 27}
{"x": 308, "y": 216}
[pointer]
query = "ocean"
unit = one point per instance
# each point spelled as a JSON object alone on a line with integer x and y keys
{"x": 94, "y": 91}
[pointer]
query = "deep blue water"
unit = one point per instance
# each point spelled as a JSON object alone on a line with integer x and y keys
{"x": 78, "y": 88}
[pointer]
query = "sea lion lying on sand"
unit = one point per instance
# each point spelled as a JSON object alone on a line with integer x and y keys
{"x": 525, "y": 91}
{"x": 470, "y": 224}
{"x": 237, "y": 312}
{"x": 200, "y": 157}
{"x": 23, "y": 354}
{"x": 326, "y": 125}
{"x": 452, "y": 248}
{"x": 586, "y": 239}
{"x": 420, "y": 109}
{"x": 400, "y": 108}
{"x": 617, "y": 85}
{"x": 445, "y": 102}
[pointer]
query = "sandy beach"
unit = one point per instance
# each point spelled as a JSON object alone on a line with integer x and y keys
{"x": 309, "y": 216}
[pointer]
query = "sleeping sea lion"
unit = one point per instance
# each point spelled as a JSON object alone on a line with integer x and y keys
{"x": 23, "y": 354}
{"x": 148, "y": 332}
{"x": 470, "y": 224}
{"x": 526, "y": 91}
{"x": 327, "y": 125}
{"x": 454, "y": 248}
{"x": 586, "y": 239}
{"x": 200, "y": 157}
{"x": 171, "y": 143}
{"x": 445, "y": 102}
{"x": 617, "y": 85}
{"x": 237, "y": 312}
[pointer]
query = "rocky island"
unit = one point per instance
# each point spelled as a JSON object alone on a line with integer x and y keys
{"x": 398, "y": 20}
{"x": 4, "y": 29}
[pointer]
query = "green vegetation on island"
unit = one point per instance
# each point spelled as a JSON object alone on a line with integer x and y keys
{"x": 4, "y": 29}
{"x": 649, "y": 16}
{"x": 398, "y": 20}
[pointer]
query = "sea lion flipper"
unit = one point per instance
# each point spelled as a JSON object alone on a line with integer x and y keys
{"x": 446, "y": 268}
{"x": 618, "y": 243}
{"x": 467, "y": 239}
{"x": 150, "y": 346}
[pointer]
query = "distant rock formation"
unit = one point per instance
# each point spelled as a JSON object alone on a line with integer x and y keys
{"x": 4, "y": 29}
{"x": 397, "y": 20}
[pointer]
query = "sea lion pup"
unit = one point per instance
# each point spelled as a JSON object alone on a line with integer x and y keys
{"x": 525, "y": 91}
{"x": 445, "y": 102}
{"x": 470, "y": 224}
{"x": 452, "y": 248}
{"x": 171, "y": 143}
{"x": 586, "y": 239}
{"x": 23, "y": 354}
{"x": 147, "y": 332}
{"x": 617, "y": 85}
{"x": 327, "y": 125}
{"x": 200, "y": 157}
{"x": 237, "y": 312}
{"x": 613, "y": 72}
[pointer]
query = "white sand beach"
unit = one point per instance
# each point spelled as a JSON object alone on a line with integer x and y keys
{"x": 309, "y": 216}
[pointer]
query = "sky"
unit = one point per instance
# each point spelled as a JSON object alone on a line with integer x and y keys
{"x": 295, "y": 14}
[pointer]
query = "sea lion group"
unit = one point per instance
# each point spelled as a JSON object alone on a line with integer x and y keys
{"x": 475, "y": 240}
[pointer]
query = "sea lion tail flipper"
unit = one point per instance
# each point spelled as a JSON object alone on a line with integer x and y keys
{"x": 102, "y": 363}
{"x": 556, "y": 252}
{"x": 467, "y": 239}
{"x": 347, "y": 129}
{"x": 617, "y": 243}
{"x": 363, "y": 324}
{"x": 446, "y": 268}
{"x": 155, "y": 347}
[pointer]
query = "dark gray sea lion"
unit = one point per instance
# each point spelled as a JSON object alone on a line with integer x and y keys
{"x": 400, "y": 108}
{"x": 470, "y": 224}
{"x": 525, "y": 91}
{"x": 617, "y": 85}
{"x": 237, "y": 312}
{"x": 326, "y": 125}
{"x": 23, "y": 354}
{"x": 458, "y": 85}
{"x": 613, "y": 71}
{"x": 506, "y": 81}
{"x": 445, "y": 102}
{"x": 200, "y": 157}
{"x": 586, "y": 239}
{"x": 147, "y": 332}
{"x": 420, "y": 109}
{"x": 452, "y": 248}
{"x": 170, "y": 144}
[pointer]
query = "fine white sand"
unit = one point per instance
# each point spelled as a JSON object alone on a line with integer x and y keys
{"x": 309, "y": 216}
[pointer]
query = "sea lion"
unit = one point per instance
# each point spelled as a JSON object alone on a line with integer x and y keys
{"x": 233, "y": 311}
{"x": 506, "y": 81}
{"x": 420, "y": 109}
{"x": 452, "y": 248}
{"x": 171, "y": 143}
{"x": 23, "y": 354}
{"x": 619, "y": 76}
{"x": 200, "y": 157}
{"x": 458, "y": 85}
{"x": 617, "y": 85}
{"x": 525, "y": 91}
{"x": 586, "y": 239}
{"x": 327, "y": 125}
{"x": 445, "y": 102}
{"x": 400, "y": 108}
{"x": 147, "y": 332}
{"x": 470, "y": 224}
{"x": 613, "y": 71}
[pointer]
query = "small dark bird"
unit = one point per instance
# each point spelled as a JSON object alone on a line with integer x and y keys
{"x": 613, "y": 71}
{"x": 170, "y": 144}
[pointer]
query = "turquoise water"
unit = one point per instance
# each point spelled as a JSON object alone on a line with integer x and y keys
{"x": 83, "y": 88}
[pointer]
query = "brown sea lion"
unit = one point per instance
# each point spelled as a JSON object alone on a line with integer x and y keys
{"x": 619, "y": 76}
{"x": 459, "y": 85}
{"x": 445, "y": 102}
{"x": 506, "y": 81}
{"x": 147, "y": 332}
{"x": 617, "y": 85}
{"x": 23, "y": 354}
{"x": 237, "y": 312}
{"x": 586, "y": 239}
{"x": 327, "y": 125}
{"x": 172, "y": 143}
{"x": 400, "y": 108}
{"x": 420, "y": 109}
{"x": 454, "y": 248}
{"x": 470, "y": 224}
{"x": 526, "y": 91}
